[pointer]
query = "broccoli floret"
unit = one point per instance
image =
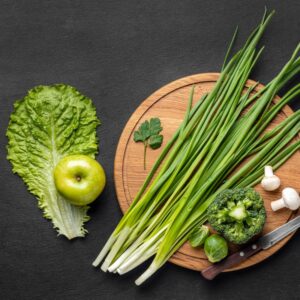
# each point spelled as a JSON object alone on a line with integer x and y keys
{"x": 237, "y": 214}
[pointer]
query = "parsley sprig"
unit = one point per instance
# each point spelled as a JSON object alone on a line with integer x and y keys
{"x": 148, "y": 134}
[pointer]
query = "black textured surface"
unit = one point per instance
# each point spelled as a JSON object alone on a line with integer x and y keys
{"x": 117, "y": 53}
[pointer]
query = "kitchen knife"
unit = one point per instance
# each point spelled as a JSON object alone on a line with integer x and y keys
{"x": 264, "y": 242}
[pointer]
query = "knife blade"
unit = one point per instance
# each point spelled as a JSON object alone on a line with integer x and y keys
{"x": 265, "y": 242}
{"x": 273, "y": 237}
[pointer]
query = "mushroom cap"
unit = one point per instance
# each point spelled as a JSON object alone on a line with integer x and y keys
{"x": 291, "y": 198}
{"x": 270, "y": 183}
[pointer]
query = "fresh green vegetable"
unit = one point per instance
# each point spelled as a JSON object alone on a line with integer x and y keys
{"x": 49, "y": 123}
{"x": 215, "y": 248}
{"x": 198, "y": 236}
{"x": 148, "y": 134}
{"x": 225, "y": 128}
{"x": 79, "y": 178}
{"x": 237, "y": 214}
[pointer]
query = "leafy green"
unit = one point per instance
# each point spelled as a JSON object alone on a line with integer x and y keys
{"x": 148, "y": 134}
{"x": 51, "y": 122}
{"x": 155, "y": 141}
{"x": 198, "y": 236}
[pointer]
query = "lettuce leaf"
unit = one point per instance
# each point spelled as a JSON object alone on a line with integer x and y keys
{"x": 49, "y": 123}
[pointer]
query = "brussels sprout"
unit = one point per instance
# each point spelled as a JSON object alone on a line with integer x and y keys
{"x": 215, "y": 248}
{"x": 198, "y": 236}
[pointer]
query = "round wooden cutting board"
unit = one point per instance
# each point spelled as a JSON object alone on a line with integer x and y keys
{"x": 169, "y": 104}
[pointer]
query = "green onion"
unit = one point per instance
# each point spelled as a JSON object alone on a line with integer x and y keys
{"x": 224, "y": 129}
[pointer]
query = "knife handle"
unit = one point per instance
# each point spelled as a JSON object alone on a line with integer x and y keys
{"x": 234, "y": 259}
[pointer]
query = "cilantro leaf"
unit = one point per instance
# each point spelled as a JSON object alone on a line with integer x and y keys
{"x": 145, "y": 130}
{"x": 155, "y": 141}
{"x": 138, "y": 137}
{"x": 155, "y": 126}
{"x": 148, "y": 134}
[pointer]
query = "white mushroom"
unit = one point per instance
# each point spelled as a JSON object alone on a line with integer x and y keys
{"x": 270, "y": 182}
{"x": 290, "y": 199}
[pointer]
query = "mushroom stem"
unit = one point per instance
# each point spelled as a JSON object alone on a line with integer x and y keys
{"x": 268, "y": 171}
{"x": 278, "y": 204}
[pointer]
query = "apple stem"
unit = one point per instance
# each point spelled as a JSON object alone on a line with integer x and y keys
{"x": 78, "y": 178}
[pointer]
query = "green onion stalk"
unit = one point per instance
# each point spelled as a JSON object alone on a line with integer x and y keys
{"x": 224, "y": 129}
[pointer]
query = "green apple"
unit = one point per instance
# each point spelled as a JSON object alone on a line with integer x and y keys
{"x": 79, "y": 178}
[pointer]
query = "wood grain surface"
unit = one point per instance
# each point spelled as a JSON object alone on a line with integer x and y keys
{"x": 169, "y": 104}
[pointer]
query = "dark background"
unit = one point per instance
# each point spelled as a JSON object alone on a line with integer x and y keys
{"x": 118, "y": 53}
